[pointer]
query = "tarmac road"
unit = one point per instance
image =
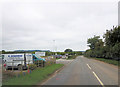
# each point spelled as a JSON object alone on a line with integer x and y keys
{"x": 84, "y": 71}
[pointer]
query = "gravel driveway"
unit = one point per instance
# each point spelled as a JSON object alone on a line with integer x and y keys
{"x": 63, "y": 61}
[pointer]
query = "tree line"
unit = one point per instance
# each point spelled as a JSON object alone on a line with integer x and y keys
{"x": 47, "y": 53}
{"x": 66, "y": 51}
{"x": 108, "y": 47}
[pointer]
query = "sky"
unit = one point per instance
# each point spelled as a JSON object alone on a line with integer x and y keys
{"x": 54, "y": 25}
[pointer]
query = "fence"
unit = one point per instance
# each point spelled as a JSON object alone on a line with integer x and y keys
{"x": 8, "y": 74}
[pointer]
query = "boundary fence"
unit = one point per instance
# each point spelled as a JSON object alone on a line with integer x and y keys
{"x": 7, "y": 74}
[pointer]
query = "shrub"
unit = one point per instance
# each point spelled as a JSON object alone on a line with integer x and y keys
{"x": 72, "y": 56}
{"x": 32, "y": 66}
{"x": 38, "y": 63}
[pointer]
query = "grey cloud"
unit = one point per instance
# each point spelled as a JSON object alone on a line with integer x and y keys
{"x": 36, "y": 25}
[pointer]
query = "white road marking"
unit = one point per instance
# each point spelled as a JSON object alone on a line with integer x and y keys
{"x": 96, "y": 76}
{"x": 88, "y": 66}
{"x": 98, "y": 79}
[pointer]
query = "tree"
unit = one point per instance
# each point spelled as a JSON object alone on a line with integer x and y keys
{"x": 3, "y": 51}
{"x": 115, "y": 51}
{"x": 112, "y": 36}
{"x": 93, "y": 41}
{"x": 68, "y": 50}
{"x": 112, "y": 43}
{"x": 109, "y": 49}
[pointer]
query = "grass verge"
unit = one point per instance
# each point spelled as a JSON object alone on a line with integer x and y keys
{"x": 72, "y": 57}
{"x": 35, "y": 77}
{"x": 114, "y": 62}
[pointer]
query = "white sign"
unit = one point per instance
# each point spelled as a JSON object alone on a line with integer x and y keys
{"x": 40, "y": 53}
{"x": 11, "y": 57}
{"x": 16, "y": 58}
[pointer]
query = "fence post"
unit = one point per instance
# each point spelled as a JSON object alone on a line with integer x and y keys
{"x": 43, "y": 63}
{"x": 21, "y": 66}
{"x": 28, "y": 64}
{"x": 28, "y": 68}
{"x": 38, "y": 63}
{"x": 12, "y": 66}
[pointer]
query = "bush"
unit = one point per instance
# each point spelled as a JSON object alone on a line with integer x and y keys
{"x": 38, "y": 63}
{"x": 72, "y": 56}
{"x": 32, "y": 66}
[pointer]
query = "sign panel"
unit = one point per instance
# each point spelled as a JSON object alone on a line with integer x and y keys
{"x": 11, "y": 57}
{"x": 40, "y": 53}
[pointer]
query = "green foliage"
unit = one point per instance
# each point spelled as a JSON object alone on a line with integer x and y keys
{"x": 61, "y": 53}
{"x": 112, "y": 36}
{"x": 68, "y": 50}
{"x": 109, "y": 49}
{"x": 48, "y": 53}
{"x": 78, "y": 53}
{"x": 115, "y": 51}
{"x": 72, "y": 56}
{"x": 32, "y": 66}
{"x": 50, "y": 61}
{"x": 93, "y": 41}
{"x": 38, "y": 63}
{"x": 3, "y": 51}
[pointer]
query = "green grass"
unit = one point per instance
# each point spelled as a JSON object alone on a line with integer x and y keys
{"x": 114, "y": 62}
{"x": 35, "y": 77}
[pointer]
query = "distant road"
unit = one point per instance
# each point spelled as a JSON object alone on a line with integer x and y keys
{"x": 63, "y": 61}
{"x": 84, "y": 71}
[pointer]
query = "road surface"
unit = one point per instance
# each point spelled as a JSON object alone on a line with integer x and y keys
{"x": 84, "y": 71}
{"x": 63, "y": 61}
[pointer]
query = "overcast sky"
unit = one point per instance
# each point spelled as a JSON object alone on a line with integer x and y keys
{"x": 51, "y": 25}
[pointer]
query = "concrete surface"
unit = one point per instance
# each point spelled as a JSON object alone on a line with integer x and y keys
{"x": 63, "y": 61}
